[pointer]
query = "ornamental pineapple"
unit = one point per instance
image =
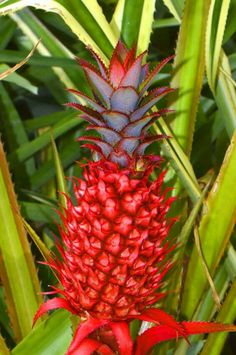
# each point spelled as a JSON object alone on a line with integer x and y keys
{"x": 116, "y": 250}
{"x": 115, "y": 236}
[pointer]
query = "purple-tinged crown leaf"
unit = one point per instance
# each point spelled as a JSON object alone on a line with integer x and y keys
{"x": 146, "y": 142}
{"x": 131, "y": 77}
{"x": 129, "y": 144}
{"x": 93, "y": 120}
{"x": 99, "y": 85}
{"x": 88, "y": 100}
{"x": 137, "y": 114}
{"x": 105, "y": 147}
{"x": 100, "y": 63}
{"x": 124, "y": 99}
{"x": 109, "y": 135}
{"x": 135, "y": 129}
{"x": 115, "y": 120}
{"x": 144, "y": 73}
{"x": 87, "y": 110}
{"x": 152, "y": 76}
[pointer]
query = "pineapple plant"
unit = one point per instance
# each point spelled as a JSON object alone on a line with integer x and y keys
{"x": 116, "y": 250}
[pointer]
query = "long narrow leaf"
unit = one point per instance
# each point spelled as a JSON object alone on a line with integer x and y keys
{"x": 116, "y": 21}
{"x": 28, "y": 149}
{"x": 136, "y": 27}
{"x": 225, "y": 95}
{"x": 189, "y": 69}
{"x": 222, "y": 88}
{"x": 215, "y": 342}
{"x": 49, "y": 45}
{"x": 13, "y": 130}
{"x": 17, "y": 268}
{"x": 131, "y": 20}
{"x": 77, "y": 16}
{"x": 3, "y": 348}
{"x": 176, "y": 8}
{"x": 179, "y": 162}
{"x": 214, "y": 36}
{"x": 215, "y": 230}
{"x": 18, "y": 65}
{"x": 52, "y": 336}
{"x": 38, "y": 242}
{"x": 61, "y": 182}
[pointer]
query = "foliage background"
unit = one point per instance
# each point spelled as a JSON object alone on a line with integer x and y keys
{"x": 201, "y": 155}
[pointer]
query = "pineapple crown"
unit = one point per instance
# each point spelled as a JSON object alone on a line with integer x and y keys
{"x": 118, "y": 111}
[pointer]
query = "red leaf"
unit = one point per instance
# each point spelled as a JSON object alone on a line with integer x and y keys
{"x": 152, "y": 337}
{"x": 207, "y": 327}
{"x": 86, "y": 347}
{"x": 105, "y": 350}
{"x": 116, "y": 71}
{"x": 162, "y": 333}
{"x": 123, "y": 338}
{"x": 159, "y": 316}
{"x": 53, "y": 304}
{"x": 83, "y": 330}
{"x": 90, "y": 101}
{"x": 100, "y": 63}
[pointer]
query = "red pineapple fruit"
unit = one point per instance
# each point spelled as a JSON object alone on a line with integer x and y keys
{"x": 116, "y": 250}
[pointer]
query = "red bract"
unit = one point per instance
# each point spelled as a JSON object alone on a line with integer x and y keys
{"x": 116, "y": 248}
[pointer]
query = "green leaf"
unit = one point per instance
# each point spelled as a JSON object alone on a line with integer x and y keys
{"x": 90, "y": 26}
{"x": 3, "y": 348}
{"x": 214, "y": 36}
{"x": 7, "y": 30}
{"x": 188, "y": 226}
{"x": 231, "y": 262}
{"x": 17, "y": 268}
{"x": 221, "y": 86}
{"x": 176, "y": 281}
{"x": 52, "y": 336}
{"x": 36, "y": 123}
{"x": 131, "y": 20}
{"x": 61, "y": 182}
{"x": 16, "y": 79}
{"x": 68, "y": 155}
{"x": 179, "y": 161}
{"x": 176, "y": 8}
{"x": 4, "y": 318}
{"x": 230, "y": 25}
{"x": 38, "y": 212}
{"x": 215, "y": 229}
{"x": 207, "y": 307}
{"x": 227, "y": 314}
{"x": 116, "y": 21}
{"x": 12, "y": 56}
{"x": 188, "y": 70}
{"x": 135, "y": 22}
{"x": 49, "y": 45}
{"x": 13, "y": 130}
{"x": 89, "y": 14}
{"x": 162, "y": 23}
{"x": 38, "y": 242}
{"x": 206, "y": 269}
{"x": 5, "y": 72}
{"x": 225, "y": 95}
{"x": 27, "y": 150}
{"x": 145, "y": 27}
